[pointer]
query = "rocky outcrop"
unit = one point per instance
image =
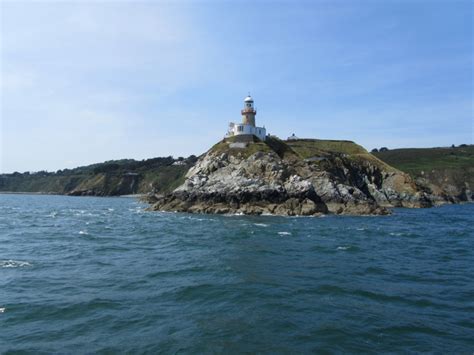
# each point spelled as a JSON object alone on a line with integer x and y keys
{"x": 283, "y": 183}
{"x": 444, "y": 173}
{"x": 448, "y": 185}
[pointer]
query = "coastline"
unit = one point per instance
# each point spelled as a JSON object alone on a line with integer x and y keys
{"x": 58, "y": 194}
{"x": 28, "y": 193}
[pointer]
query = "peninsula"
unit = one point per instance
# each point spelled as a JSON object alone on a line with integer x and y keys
{"x": 252, "y": 173}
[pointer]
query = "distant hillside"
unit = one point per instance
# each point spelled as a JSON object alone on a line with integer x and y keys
{"x": 451, "y": 169}
{"x": 112, "y": 178}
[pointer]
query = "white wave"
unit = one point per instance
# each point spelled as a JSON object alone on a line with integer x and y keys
{"x": 396, "y": 234}
{"x": 13, "y": 263}
{"x": 2, "y": 310}
{"x": 360, "y": 229}
{"x": 343, "y": 248}
{"x": 111, "y": 209}
{"x": 260, "y": 224}
{"x": 83, "y": 232}
{"x": 53, "y": 214}
{"x": 284, "y": 233}
{"x": 233, "y": 214}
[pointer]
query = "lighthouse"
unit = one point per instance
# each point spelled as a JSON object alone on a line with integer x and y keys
{"x": 247, "y": 127}
{"x": 248, "y": 112}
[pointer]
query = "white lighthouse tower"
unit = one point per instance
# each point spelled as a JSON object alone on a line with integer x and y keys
{"x": 248, "y": 112}
{"x": 247, "y": 127}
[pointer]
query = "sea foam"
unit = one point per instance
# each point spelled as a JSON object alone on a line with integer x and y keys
{"x": 13, "y": 263}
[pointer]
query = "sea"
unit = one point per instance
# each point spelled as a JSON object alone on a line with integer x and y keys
{"x": 103, "y": 275}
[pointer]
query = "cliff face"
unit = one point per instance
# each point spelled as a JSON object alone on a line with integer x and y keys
{"x": 291, "y": 178}
{"x": 445, "y": 173}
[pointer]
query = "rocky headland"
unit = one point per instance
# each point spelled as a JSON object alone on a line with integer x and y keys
{"x": 295, "y": 177}
{"x": 446, "y": 173}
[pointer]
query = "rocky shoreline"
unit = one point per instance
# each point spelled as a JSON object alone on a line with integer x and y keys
{"x": 276, "y": 178}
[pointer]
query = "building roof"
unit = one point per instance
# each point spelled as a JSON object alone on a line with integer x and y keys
{"x": 248, "y": 99}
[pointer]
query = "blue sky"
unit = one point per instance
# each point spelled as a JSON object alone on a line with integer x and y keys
{"x": 89, "y": 81}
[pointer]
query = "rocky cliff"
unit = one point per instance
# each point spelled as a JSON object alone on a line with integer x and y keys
{"x": 446, "y": 173}
{"x": 303, "y": 177}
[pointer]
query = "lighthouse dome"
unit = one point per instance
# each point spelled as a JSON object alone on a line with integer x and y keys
{"x": 248, "y": 99}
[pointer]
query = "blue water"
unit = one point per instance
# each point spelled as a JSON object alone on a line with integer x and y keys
{"x": 84, "y": 275}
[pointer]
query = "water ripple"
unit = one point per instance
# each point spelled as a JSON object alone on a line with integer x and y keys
{"x": 88, "y": 275}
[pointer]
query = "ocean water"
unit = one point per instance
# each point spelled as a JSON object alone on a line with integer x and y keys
{"x": 86, "y": 275}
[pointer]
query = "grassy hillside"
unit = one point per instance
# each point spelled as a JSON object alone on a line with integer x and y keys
{"x": 308, "y": 148}
{"x": 118, "y": 177}
{"x": 417, "y": 160}
{"x": 449, "y": 168}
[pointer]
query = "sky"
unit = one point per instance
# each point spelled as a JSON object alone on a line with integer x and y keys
{"x": 89, "y": 81}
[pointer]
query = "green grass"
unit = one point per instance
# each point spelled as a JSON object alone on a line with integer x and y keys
{"x": 308, "y": 148}
{"x": 252, "y": 148}
{"x": 416, "y": 160}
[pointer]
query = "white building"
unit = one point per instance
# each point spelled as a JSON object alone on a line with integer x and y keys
{"x": 247, "y": 127}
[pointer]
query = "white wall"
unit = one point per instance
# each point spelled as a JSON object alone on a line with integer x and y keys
{"x": 260, "y": 132}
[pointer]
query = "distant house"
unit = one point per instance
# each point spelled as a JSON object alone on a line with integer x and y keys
{"x": 179, "y": 162}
